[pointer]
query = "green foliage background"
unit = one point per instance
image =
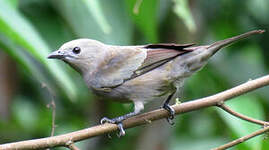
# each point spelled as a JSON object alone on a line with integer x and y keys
{"x": 31, "y": 29}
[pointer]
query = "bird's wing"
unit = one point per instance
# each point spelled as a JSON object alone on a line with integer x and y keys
{"x": 159, "y": 54}
{"x": 125, "y": 63}
{"x": 118, "y": 64}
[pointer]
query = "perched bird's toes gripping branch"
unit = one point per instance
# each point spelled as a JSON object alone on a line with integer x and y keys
{"x": 117, "y": 121}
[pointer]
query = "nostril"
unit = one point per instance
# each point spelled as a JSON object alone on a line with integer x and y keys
{"x": 59, "y": 52}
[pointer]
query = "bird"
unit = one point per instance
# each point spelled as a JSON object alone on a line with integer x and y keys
{"x": 140, "y": 73}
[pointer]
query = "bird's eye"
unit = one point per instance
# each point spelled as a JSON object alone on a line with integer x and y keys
{"x": 76, "y": 50}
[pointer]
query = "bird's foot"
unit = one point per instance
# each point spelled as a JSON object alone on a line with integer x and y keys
{"x": 117, "y": 121}
{"x": 171, "y": 112}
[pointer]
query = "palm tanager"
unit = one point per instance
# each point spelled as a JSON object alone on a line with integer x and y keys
{"x": 138, "y": 74}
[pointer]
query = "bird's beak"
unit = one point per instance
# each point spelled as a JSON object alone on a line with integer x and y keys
{"x": 56, "y": 55}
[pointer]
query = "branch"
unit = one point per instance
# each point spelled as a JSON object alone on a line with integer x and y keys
{"x": 71, "y": 145}
{"x": 243, "y": 139}
{"x": 51, "y": 105}
{"x": 145, "y": 118}
{"x": 236, "y": 114}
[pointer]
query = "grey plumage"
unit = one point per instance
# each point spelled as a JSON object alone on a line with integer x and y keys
{"x": 137, "y": 74}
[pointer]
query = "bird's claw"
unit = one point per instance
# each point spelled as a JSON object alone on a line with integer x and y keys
{"x": 170, "y": 120}
{"x": 171, "y": 112}
{"x": 114, "y": 121}
{"x": 122, "y": 131}
{"x": 105, "y": 119}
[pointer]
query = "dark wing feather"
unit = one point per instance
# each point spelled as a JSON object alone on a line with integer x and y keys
{"x": 169, "y": 46}
{"x": 159, "y": 54}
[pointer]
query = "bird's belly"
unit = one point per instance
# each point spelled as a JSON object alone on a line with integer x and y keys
{"x": 111, "y": 94}
{"x": 153, "y": 85}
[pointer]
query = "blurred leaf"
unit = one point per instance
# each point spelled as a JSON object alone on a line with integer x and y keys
{"x": 95, "y": 9}
{"x": 206, "y": 126}
{"x": 39, "y": 13}
{"x": 249, "y": 106}
{"x": 189, "y": 143}
{"x": 17, "y": 54}
{"x": 25, "y": 112}
{"x": 12, "y": 3}
{"x": 14, "y": 26}
{"x": 261, "y": 6}
{"x": 265, "y": 142}
{"x": 84, "y": 24}
{"x": 183, "y": 11}
{"x": 146, "y": 19}
{"x": 241, "y": 67}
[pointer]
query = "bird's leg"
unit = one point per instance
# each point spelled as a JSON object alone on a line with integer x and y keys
{"x": 171, "y": 111}
{"x": 118, "y": 121}
{"x": 138, "y": 107}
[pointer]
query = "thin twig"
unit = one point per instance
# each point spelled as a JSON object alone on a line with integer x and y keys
{"x": 241, "y": 116}
{"x": 61, "y": 140}
{"x": 51, "y": 105}
{"x": 242, "y": 139}
{"x": 71, "y": 145}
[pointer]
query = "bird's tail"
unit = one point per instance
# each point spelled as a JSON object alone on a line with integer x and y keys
{"x": 220, "y": 44}
{"x": 197, "y": 59}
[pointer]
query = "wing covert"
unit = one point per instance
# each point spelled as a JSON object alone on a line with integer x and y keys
{"x": 117, "y": 65}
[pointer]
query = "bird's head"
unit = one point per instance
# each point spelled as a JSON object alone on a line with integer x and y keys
{"x": 81, "y": 54}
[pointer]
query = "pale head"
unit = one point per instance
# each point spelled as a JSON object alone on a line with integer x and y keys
{"x": 81, "y": 54}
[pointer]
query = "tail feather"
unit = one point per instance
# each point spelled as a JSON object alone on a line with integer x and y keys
{"x": 220, "y": 44}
